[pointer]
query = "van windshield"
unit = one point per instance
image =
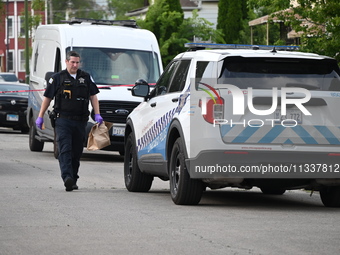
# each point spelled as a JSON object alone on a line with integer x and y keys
{"x": 119, "y": 66}
{"x": 18, "y": 90}
{"x": 8, "y": 77}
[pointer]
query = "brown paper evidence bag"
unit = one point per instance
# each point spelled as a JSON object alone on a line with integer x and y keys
{"x": 99, "y": 136}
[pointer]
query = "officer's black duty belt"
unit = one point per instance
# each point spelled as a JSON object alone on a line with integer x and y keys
{"x": 78, "y": 118}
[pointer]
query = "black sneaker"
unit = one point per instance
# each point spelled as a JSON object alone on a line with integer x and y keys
{"x": 68, "y": 182}
{"x": 75, "y": 186}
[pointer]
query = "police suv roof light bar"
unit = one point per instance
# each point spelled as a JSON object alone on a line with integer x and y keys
{"x": 198, "y": 46}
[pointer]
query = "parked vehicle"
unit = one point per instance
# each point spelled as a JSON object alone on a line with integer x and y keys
{"x": 241, "y": 118}
{"x": 13, "y": 105}
{"x": 8, "y": 77}
{"x": 115, "y": 53}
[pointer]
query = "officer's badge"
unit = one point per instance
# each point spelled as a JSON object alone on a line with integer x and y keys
{"x": 81, "y": 80}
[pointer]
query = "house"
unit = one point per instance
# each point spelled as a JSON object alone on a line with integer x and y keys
{"x": 207, "y": 9}
{"x": 12, "y": 36}
{"x": 290, "y": 36}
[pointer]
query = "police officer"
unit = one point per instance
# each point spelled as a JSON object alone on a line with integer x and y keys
{"x": 72, "y": 89}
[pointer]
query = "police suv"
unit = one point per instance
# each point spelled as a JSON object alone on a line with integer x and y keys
{"x": 238, "y": 116}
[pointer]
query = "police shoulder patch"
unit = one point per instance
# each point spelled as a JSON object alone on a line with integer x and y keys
{"x": 50, "y": 81}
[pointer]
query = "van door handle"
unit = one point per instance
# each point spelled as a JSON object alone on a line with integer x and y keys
{"x": 175, "y": 100}
{"x": 153, "y": 105}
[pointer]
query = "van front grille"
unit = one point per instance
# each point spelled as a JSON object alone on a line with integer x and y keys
{"x": 116, "y": 111}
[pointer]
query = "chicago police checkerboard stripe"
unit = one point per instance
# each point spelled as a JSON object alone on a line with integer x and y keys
{"x": 155, "y": 129}
{"x": 314, "y": 134}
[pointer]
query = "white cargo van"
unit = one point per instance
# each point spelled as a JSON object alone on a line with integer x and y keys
{"x": 115, "y": 53}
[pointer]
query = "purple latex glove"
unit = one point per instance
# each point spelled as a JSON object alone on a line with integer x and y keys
{"x": 39, "y": 122}
{"x": 98, "y": 119}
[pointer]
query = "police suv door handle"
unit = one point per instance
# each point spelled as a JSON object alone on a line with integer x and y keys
{"x": 175, "y": 100}
{"x": 153, "y": 104}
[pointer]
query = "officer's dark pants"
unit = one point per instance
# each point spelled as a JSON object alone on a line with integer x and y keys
{"x": 70, "y": 138}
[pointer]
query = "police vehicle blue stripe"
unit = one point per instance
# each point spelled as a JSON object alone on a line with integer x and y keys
{"x": 276, "y": 134}
{"x": 272, "y": 134}
{"x": 225, "y": 129}
{"x": 288, "y": 141}
{"x": 331, "y": 138}
{"x": 304, "y": 135}
{"x": 155, "y": 130}
{"x": 245, "y": 134}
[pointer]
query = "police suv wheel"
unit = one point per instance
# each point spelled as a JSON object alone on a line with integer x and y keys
{"x": 135, "y": 180}
{"x": 183, "y": 189}
{"x": 34, "y": 144}
{"x": 330, "y": 196}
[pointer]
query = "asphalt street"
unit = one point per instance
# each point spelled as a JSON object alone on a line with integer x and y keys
{"x": 37, "y": 215}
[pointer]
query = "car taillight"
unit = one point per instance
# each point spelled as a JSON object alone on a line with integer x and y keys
{"x": 212, "y": 109}
{"x": 334, "y": 154}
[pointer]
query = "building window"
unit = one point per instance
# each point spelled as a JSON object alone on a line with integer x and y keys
{"x": 21, "y": 26}
{"x": 10, "y": 61}
{"x": 22, "y": 61}
{"x": 10, "y": 27}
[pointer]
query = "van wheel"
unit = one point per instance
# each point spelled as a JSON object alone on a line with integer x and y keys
{"x": 330, "y": 196}
{"x": 183, "y": 189}
{"x": 135, "y": 180}
{"x": 34, "y": 144}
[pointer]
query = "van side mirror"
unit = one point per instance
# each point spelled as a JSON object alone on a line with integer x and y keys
{"x": 140, "y": 90}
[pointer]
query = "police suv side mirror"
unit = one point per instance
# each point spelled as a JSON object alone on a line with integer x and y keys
{"x": 141, "y": 90}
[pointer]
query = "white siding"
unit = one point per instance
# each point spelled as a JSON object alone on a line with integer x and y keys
{"x": 208, "y": 11}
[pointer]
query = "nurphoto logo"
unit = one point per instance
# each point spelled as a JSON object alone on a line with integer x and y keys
{"x": 239, "y": 105}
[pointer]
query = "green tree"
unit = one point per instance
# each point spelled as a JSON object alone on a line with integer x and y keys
{"x": 319, "y": 20}
{"x": 230, "y": 20}
{"x": 199, "y": 28}
{"x": 265, "y": 7}
{"x": 194, "y": 27}
{"x": 223, "y": 8}
{"x": 35, "y": 20}
{"x": 164, "y": 18}
{"x": 321, "y": 33}
{"x": 277, "y": 30}
{"x": 2, "y": 8}
{"x": 118, "y": 8}
{"x": 78, "y": 8}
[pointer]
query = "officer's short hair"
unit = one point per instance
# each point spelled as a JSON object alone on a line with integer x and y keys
{"x": 72, "y": 53}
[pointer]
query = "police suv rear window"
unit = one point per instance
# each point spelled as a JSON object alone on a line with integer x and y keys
{"x": 265, "y": 73}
